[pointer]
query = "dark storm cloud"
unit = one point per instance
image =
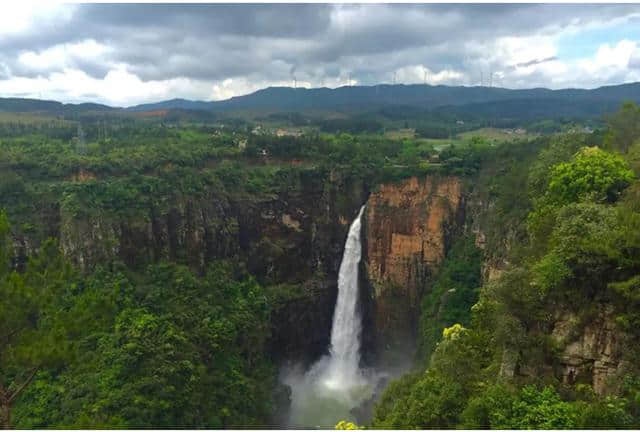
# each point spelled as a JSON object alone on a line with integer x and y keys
{"x": 212, "y": 42}
{"x": 109, "y": 21}
{"x": 297, "y": 20}
{"x": 536, "y": 61}
{"x": 145, "y": 35}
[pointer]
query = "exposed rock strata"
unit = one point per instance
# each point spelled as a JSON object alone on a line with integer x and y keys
{"x": 408, "y": 227}
{"x": 592, "y": 351}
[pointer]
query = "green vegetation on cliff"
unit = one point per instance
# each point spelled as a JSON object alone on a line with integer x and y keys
{"x": 148, "y": 268}
{"x": 453, "y": 293}
{"x": 117, "y": 349}
{"x": 576, "y": 267}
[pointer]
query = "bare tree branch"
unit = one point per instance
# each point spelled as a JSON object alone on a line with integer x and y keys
{"x": 24, "y": 384}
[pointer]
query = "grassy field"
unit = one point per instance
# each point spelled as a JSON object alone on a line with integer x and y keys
{"x": 494, "y": 134}
{"x": 400, "y": 133}
{"x": 439, "y": 144}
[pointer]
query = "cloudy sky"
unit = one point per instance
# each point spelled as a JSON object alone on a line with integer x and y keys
{"x": 124, "y": 54}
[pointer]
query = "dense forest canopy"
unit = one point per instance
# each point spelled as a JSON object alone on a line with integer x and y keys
{"x": 177, "y": 340}
{"x": 580, "y": 248}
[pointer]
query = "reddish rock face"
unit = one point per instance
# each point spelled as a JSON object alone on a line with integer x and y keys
{"x": 407, "y": 227}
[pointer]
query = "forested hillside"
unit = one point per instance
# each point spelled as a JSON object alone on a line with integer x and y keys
{"x": 158, "y": 272}
{"x": 550, "y": 339}
{"x": 577, "y": 102}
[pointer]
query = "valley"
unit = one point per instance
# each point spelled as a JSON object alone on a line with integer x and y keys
{"x": 197, "y": 269}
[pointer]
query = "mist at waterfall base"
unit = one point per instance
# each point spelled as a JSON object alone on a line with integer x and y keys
{"x": 336, "y": 385}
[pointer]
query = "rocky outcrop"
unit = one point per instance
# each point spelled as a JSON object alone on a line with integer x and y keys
{"x": 591, "y": 350}
{"x": 284, "y": 237}
{"x": 193, "y": 231}
{"x": 294, "y": 236}
{"x": 588, "y": 349}
{"x": 407, "y": 230}
{"x": 301, "y": 326}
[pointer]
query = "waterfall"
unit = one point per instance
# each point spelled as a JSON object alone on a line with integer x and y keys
{"x": 335, "y": 385}
{"x": 343, "y": 369}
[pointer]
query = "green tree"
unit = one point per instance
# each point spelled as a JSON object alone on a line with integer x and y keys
{"x": 530, "y": 408}
{"x": 454, "y": 292}
{"x": 345, "y": 425}
{"x": 591, "y": 172}
{"x": 624, "y": 127}
{"x": 167, "y": 349}
{"x": 561, "y": 149}
{"x": 437, "y": 397}
{"x": 32, "y": 329}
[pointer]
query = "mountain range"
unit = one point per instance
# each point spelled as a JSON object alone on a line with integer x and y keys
{"x": 500, "y": 101}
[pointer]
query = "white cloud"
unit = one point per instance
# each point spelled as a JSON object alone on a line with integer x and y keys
{"x": 418, "y": 74}
{"x": 119, "y": 87}
{"x": 524, "y": 62}
{"x": 613, "y": 56}
{"x": 231, "y": 87}
{"x": 609, "y": 63}
{"x": 519, "y": 50}
{"x": 19, "y": 17}
{"x": 103, "y": 54}
{"x": 634, "y": 60}
{"x": 63, "y": 56}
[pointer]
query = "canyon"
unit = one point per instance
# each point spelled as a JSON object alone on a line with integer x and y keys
{"x": 296, "y": 237}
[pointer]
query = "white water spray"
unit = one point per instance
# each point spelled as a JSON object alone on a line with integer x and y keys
{"x": 335, "y": 385}
{"x": 343, "y": 369}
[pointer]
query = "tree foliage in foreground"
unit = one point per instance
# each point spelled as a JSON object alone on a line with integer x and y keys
{"x": 165, "y": 348}
{"x": 583, "y": 250}
{"x": 624, "y": 128}
{"x": 34, "y": 326}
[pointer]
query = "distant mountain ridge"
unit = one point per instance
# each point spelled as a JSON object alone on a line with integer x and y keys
{"x": 48, "y": 106}
{"x": 418, "y": 95}
{"x": 455, "y": 98}
{"x": 182, "y": 104}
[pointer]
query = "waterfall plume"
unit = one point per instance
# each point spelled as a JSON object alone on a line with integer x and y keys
{"x": 335, "y": 384}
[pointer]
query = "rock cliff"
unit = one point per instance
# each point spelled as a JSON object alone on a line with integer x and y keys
{"x": 294, "y": 236}
{"x": 408, "y": 227}
{"x": 591, "y": 350}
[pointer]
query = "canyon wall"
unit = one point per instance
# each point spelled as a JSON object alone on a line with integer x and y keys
{"x": 408, "y": 227}
{"x": 294, "y": 237}
{"x": 591, "y": 351}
